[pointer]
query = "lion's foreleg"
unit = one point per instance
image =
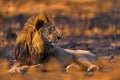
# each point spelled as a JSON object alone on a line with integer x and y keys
{"x": 16, "y": 68}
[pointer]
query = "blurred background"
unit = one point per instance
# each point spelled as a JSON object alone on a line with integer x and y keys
{"x": 83, "y": 24}
{"x": 72, "y": 17}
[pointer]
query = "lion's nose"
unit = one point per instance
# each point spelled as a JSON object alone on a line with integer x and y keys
{"x": 58, "y": 37}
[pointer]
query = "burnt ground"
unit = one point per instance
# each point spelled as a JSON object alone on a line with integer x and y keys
{"x": 100, "y": 35}
{"x": 97, "y": 43}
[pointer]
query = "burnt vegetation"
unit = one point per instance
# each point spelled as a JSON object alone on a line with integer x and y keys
{"x": 83, "y": 24}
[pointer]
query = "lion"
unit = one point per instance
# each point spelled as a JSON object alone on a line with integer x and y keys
{"x": 35, "y": 46}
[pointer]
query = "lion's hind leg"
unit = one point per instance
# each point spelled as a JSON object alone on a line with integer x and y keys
{"x": 73, "y": 67}
{"x": 90, "y": 66}
{"x": 81, "y": 65}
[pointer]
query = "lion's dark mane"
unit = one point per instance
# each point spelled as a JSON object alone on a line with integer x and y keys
{"x": 24, "y": 57}
{"x": 25, "y": 52}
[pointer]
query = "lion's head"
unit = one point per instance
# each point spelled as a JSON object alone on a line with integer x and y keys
{"x": 41, "y": 25}
{"x": 35, "y": 40}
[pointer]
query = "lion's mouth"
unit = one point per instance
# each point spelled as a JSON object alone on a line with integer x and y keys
{"x": 55, "y": 43}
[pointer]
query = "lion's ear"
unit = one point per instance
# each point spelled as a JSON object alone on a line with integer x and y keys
{"x": 39, "y": 24}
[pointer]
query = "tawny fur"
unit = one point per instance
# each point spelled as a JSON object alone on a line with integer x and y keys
{"x": 33, "y": 47}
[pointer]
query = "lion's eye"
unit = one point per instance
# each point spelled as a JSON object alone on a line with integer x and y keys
{"x": 52, "y": 29}
{"x": 47, "y": 24}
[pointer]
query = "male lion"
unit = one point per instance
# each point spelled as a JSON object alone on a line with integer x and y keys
{"x": 35, "y": 47}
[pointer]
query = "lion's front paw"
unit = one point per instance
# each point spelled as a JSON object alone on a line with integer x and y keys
{"x": 92, "y": 68}
{"x": 21, "y": 69}
{"x": 12, "y": 71}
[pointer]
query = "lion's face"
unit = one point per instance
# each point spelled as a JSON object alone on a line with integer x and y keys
{"x": 52, "y": 34}
{"x": 48, "y": 31}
